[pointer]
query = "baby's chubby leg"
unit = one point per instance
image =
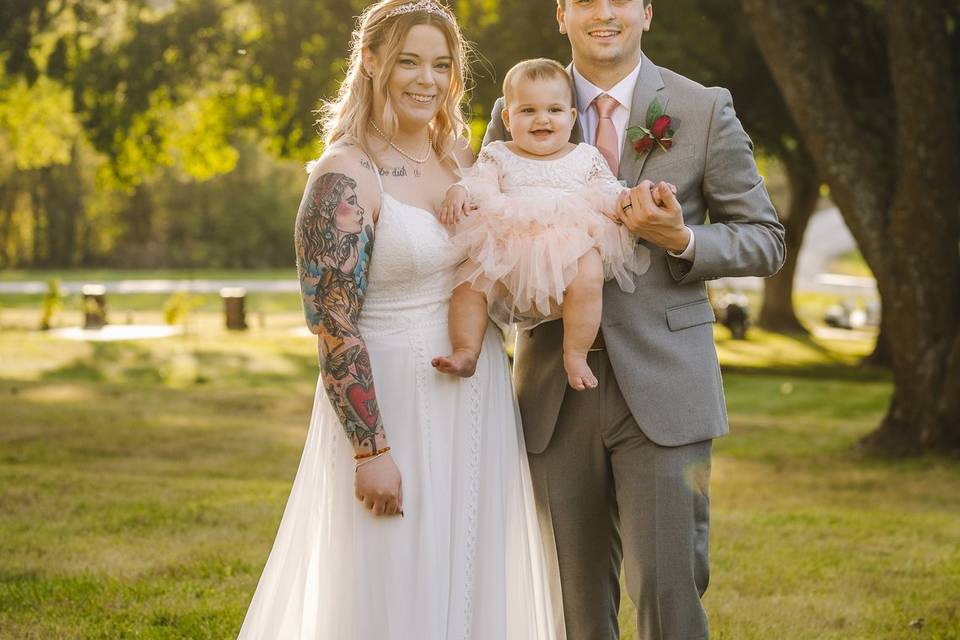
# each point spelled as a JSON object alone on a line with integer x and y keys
{"x": 582, "y": 306}
{"x": 468, "y": 323}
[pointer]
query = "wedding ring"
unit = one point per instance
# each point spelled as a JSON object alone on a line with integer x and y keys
{"x": 627, "y": 206}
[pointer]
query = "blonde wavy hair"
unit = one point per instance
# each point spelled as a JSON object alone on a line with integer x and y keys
{"x": 346, "y": 117}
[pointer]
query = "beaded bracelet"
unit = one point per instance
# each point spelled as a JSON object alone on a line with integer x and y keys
{"x": 370, "y": 454}
{"x": 360, "y": 463}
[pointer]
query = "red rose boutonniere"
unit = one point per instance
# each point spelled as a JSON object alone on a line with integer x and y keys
{"x": 659, "y": 130}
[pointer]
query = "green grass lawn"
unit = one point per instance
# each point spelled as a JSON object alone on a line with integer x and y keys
{"x": 851, "y": 264}
{"x": 141, "y": 484}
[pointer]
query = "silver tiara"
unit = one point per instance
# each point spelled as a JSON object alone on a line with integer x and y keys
{"x": 423, "y": 5}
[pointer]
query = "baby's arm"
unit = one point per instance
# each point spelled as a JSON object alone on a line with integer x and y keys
{"x": 456, "y": 203}
{"x": 603, "y": 189}
{"x": 478, "y": 185}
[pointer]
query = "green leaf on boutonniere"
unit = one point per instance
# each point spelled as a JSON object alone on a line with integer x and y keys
{"x": 657, "y": 134}
{"x": 654, "y": 111}
{"x": 637, "y": 132}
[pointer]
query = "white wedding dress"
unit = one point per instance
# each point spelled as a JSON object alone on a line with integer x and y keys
{"x": 466, "y": 561}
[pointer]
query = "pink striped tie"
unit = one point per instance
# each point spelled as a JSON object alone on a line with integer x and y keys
{"x": 607, "y": 140}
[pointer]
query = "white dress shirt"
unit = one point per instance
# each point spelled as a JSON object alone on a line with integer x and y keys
{"x": 622, "y": 92}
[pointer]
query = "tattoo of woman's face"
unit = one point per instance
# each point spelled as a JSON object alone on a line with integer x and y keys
{"x": 331, "y": 223}
{"x": 333, "y": 251}
{"x": 348, "y": 215}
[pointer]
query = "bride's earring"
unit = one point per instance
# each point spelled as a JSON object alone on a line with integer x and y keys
{"x": 366, "y": 69}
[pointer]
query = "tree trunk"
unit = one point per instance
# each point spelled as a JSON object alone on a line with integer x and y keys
{"x": 922, "y": 306}
{"x": 924, "y": 414}
{"x": 8, "y": 193}
{"x": 881, "y": 356}
{"x": 138, "y": 240}
{"x": 54, "y": 216}
{"x": 39, "y": 249}
{"x": 777, "y": 313}
{"x": 898, "y": 194}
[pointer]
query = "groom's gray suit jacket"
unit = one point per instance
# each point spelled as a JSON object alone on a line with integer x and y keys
{"x": 660, "y": 338}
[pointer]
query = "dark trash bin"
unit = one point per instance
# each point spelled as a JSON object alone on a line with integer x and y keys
{"x": 234, "y": 307}
{"x": 94, "y": 306}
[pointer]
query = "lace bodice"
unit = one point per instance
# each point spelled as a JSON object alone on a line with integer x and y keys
{"x": 516, "y": 175}
{"x": 411, "y": 271}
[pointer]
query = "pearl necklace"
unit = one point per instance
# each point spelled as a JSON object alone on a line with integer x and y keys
{"x": 401, "y": 151}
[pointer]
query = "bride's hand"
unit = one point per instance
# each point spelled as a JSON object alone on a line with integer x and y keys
{"x": 379, "y": 487}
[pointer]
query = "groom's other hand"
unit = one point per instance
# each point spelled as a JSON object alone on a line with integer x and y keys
{"x": 652, "y": 212}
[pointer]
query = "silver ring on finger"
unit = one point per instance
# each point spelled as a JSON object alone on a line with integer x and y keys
{"x": 626, "y": 206}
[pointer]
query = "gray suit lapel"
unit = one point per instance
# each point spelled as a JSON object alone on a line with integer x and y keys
{"x": 649, "y": 86}
{"x": 576, "y": 134}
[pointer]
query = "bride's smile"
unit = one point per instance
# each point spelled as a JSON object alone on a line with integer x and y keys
{"x": 420, "y": 77}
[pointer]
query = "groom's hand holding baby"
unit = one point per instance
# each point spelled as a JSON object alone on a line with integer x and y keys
{"x": 652, "y": 212}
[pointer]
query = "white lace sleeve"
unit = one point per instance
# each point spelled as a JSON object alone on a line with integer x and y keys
{"x": 599, "y": 173}
{"x": 482, "y": 180}
{"x": 603, "y": 185}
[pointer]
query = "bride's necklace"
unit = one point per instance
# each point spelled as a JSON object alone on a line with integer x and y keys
{"x": 401, "y": 151}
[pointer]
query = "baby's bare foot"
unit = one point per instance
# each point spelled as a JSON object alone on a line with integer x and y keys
{"x": 462, "y": 362}
{"x": 579, "y": 374}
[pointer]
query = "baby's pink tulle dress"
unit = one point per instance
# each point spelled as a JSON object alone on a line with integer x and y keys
{"x": 536, "y": 219}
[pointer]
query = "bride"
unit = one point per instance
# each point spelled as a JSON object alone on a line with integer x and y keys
{"x": 411, "y": 516}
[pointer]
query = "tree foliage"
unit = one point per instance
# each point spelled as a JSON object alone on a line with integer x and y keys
{"x": 104, "y": 104}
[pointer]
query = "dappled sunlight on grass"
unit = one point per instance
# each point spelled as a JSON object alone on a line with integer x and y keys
{"x": 28, "y": 355}
{"x": 771, "y": 350}
{"x": 214, "y": 357}
{"x": 811, "y": 539}
{"x": 142, "y": 484}
{"x": 55, "y": 393}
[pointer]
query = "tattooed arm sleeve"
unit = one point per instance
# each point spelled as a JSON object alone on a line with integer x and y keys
{"x": 334, "y": 240}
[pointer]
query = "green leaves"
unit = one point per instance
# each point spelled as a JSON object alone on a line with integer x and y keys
{"x": 654, "y": 111}
{"x": 39, "y": 122}
{"x": 635, "y": 133}
{"x": 659, "y": 130}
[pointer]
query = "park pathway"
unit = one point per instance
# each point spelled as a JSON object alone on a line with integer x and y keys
{"x": 156, "y": 285}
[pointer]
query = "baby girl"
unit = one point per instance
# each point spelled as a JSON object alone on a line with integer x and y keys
{"x": 536, "y": 218}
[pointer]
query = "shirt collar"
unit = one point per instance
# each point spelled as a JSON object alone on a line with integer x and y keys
{"x": 587, "y": 92}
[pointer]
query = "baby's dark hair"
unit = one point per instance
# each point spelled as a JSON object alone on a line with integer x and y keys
{"x": 535, "y": 69}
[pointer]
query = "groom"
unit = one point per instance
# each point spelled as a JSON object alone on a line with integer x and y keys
{"x": 622, "y": 472}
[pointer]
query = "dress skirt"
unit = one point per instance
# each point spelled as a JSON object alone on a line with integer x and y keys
{"x": 465, "y": 560}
